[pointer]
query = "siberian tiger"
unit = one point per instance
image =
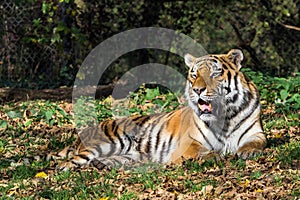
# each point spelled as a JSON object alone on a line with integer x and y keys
{"x": 223, "y": 116}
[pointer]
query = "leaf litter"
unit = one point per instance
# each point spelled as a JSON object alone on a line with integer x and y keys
{"x": 27, "y": 138}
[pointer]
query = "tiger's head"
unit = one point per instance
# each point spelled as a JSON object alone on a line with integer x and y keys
{"x": 211, "y": 83}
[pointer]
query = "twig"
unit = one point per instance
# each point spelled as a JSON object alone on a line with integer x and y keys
{"x": 290, "y": 26}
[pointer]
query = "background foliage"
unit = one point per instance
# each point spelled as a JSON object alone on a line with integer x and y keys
{"x": 43, "y": 42}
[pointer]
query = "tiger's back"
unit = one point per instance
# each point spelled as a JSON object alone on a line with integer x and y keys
{"x": 223, "y": 115}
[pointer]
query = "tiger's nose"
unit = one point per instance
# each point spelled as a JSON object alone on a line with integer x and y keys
{"x": 198, "y": 90}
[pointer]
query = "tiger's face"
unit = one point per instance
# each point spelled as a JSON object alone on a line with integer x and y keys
{"x": 209, "y": 83}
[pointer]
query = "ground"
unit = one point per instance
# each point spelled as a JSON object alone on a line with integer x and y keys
{"x": 29, "y": 130}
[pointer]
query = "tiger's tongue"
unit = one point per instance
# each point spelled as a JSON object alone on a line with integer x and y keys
{"x": 205, "y": 107}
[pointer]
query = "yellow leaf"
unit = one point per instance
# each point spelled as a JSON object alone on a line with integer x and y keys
{"x": 41, "y": 175}
{"x": 259, "y": 190}
{"x": 245, "y": 183}
{"x": 278, "y": 135}
{"x": 104, "y": 198}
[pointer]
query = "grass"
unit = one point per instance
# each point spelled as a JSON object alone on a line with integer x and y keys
{"x": 30, "y": 130}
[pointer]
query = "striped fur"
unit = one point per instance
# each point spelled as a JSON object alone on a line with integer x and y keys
{"x": 223, "y": 116}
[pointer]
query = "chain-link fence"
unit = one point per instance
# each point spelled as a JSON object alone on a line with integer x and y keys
{"x": 20, "y": 58}
{"x": 23, "y": 55}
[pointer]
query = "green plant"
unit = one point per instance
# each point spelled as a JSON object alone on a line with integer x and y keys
{"x": 288, "y": 97}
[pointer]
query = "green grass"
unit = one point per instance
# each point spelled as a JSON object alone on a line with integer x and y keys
{"x": 30, "y": 130}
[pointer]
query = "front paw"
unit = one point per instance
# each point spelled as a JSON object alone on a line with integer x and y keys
{"x": 252, "y": 148}
{"x": 245, "y": 153}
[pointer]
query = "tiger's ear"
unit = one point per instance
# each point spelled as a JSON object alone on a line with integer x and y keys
{"x": 189, "y": 60}
{"x": 236, "y": 56}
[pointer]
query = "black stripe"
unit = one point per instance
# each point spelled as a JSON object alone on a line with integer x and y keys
{"x": 77, "y": 164}
{"x": 148, "y": 144}
{"x": 222, "y": 59}
{"x": 169, "y": 144}
{"x": 150, "y": 126}
{"x": 115, "y": 128}
{"x": 154, "y": 124}
{"x": 130, "y": 143}
{"x": 205, "y": 138}
{"x": 206, "y": 123}
{"x": 247, "y": 96}
{"x": 230, "y": 66}
{"x": 147, "y": 118}
{"x": 236, "y": 81}
{"x": 214, "y": 60}
{"x": 98, "y": 149}
{"x": 229, "y": 81}
{"x": 168, "y": 116}
{"x": 135, "y": 118}
{"x": 246, "y": 131}
{"x": 158, "y": 137}
{"x": 227, "y": 89}
{"x": 90, "y": 151}
{"x": 106, "y": 132}
{"x": 130, "y": 159}
{"x": 70, "y": 150}
{"x": 162, "y": 151}
{"x": 156, "y": 121}
{"x": 219, "y": 139}
{"x": 222, "y": 72}
{"x": 247, "y": 116}
{"x": 225, "y": 62}
{"x": 235, "y": 98}
{"x": 143, "y": 121}
{"x": 224, "y": 66}
{"x": 127, "y": 122}
{"x": 126, "y": 131}
{"x": 139, "y": 145}
{"x": 84, "y": 157}
{"x": 112, "y": 150}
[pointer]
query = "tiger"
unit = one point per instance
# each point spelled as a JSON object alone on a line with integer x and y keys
{"x": 222, "y": 115}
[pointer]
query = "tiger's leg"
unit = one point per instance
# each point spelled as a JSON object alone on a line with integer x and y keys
{"x": 102, "y": 155}
{"x": 255, "y": 146}
{"x": 117, "y": 161}
{"x": 78, "y": 154}
{"x": 194, "y": 151}
{"x": 82, "y": 156}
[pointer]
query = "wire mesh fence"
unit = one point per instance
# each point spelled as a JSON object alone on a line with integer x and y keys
{"x": 22, "y": 57}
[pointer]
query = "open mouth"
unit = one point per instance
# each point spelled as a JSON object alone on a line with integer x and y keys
{"x": 204, "y": 106}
